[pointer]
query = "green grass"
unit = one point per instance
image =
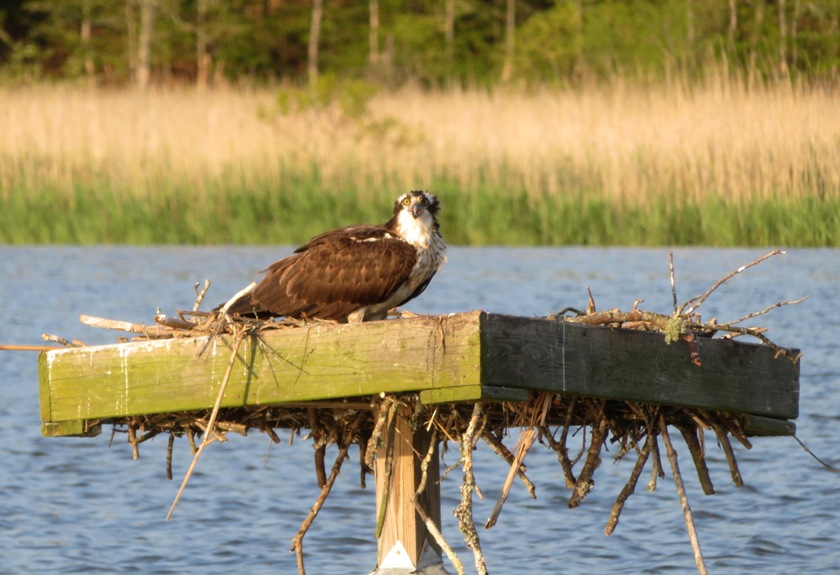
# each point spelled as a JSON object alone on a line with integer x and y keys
{"x": 721, "y": 164}
{"x": 233, "y": 209}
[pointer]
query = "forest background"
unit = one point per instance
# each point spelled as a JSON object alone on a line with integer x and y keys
{"x": 594, "y": 122}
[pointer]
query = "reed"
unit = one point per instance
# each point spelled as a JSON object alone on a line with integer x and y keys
{"x": 719, "y": 164}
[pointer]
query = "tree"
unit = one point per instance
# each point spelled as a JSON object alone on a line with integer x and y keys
{"x": 510, "y": 40}
{"x": 140, "y": 39}
{"x": 314, "y": 39}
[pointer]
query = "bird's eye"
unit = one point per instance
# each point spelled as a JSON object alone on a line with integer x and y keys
{"x": 425, "y": 201}
{"x": 406, "y": 201}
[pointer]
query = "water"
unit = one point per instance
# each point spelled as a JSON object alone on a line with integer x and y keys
{"x": 75, "y": 506}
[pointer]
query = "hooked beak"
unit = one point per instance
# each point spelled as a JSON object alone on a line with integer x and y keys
{"x": 416, "y": 210}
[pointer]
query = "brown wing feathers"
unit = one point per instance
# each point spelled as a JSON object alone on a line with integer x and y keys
{"x": 333, "y": 275}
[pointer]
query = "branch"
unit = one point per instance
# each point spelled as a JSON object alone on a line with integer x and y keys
{"x": 698, "y": 300}
{"x": 464, "y": 511}
{"x": 421, "y": 511}
{"x": 209, "y": 435}
{"x": 526, "y": 440}
{"x": 687, "y": 515}
{"x": 297, "y": 541}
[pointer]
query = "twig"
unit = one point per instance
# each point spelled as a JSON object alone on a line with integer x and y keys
{"x": 388, "y": 468}
{"x": 814, "y": 455}
{"x": 14, "y": 347}
{"x": 132, "y": 441}
{"x": 687, "y": 515}
{"x": 563, "y": 451}
{"x": 697, "y": 301}
{"x": 208, "y": 435}
{"x": 463, "y": 513}
{"x": 60, "y": 340}
{"x": 421, "y": 511}
{"x": 199, "y": 295}
{"x": 593, "y": 459}
{"x": 346, "y": 441}
{"x": 726, "y": 445}
{"x": 174, "y": 322}
{"x": 526, "y": 439}
{"x": 169, "y": 445}
{"x": 690, "y": 436}
{"x": 768, "y": 309}
{"x": 673, "y": 280}
{"x": 319, "y": 446}
{"x": 363, "y": 467}
{"x": 130, "y": 327}
{"x": 376, "y": 434}
{"x": 629, "y": 487}
{"x": 496, "y": 445}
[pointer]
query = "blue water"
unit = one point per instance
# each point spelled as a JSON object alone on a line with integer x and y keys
{"x": 77, "y": 506}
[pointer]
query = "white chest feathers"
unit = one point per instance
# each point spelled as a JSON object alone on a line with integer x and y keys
{"x": 421, "y": 233}
{"x": 418, "y": 231}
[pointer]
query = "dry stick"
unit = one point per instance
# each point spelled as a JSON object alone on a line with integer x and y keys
{"x": 132, "y": 441}
{"x": 199, "y": 295}
{"x": 463, "y": 513}
{"x": 60, "y": 340}
{"x": 697, "y": 301}
{"x": 687, "y": 515}
{"x": 814, "y": 455}
{"x": 130, "y": 327}
{"x": 376, "y": 434}
{"x": 149, "y": 435}
{"x": 629, "y": 487}
{"x": 209, "y": 435}
{"x": 319, "y": 445}
{"x": 673, "y": 280}
{"x": 768, "y": 309}
{"x": 169, "y": 446}
{"x": 297, "y": 540}
{"x": 593, "y": 458}
{"x": 363, "y": 468}
{"x": 421, "y": 511}
{"x": 13, "y": 347}
{"x": 690, "y": 437}
{"x": 725, "y": 444}
{"x": 738, "y": 434}
{"x": 656, "y": 471}
{"x": 502, "y": 451}
{"x": 562, "y": 454}
{"x": 526, "y": 440}
{"x": 389, "y": 468}
{"x": 174, "y": 322}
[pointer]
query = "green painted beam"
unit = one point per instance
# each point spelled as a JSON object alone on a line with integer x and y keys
{"x": 460, "y": 357}
{"x": 315, "y": 362}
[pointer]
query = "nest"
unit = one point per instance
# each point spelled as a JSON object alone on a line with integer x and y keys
{"x": 639, "y": 430}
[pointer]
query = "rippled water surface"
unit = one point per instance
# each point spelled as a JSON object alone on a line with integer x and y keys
{"x": 77, "y": 506}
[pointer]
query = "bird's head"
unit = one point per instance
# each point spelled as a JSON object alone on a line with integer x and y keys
{"x": 417, "y": 203}
{"x": 415, "y": 216}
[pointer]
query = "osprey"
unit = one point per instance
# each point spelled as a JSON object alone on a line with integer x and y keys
{"x": 356, "y": 273}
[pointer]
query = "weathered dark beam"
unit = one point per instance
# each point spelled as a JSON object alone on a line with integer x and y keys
{"x": 637, "y": 366}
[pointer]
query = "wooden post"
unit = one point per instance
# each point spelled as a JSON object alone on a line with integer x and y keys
{"x": 405, "y": 545}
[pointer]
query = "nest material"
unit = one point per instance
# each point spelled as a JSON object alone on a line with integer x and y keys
{"x": 547, "y": 419}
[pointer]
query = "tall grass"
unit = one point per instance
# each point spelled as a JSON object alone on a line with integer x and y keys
{"x": 719, "y": 164}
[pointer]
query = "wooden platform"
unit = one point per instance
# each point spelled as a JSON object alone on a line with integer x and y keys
{"x": 457, "y": 358}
